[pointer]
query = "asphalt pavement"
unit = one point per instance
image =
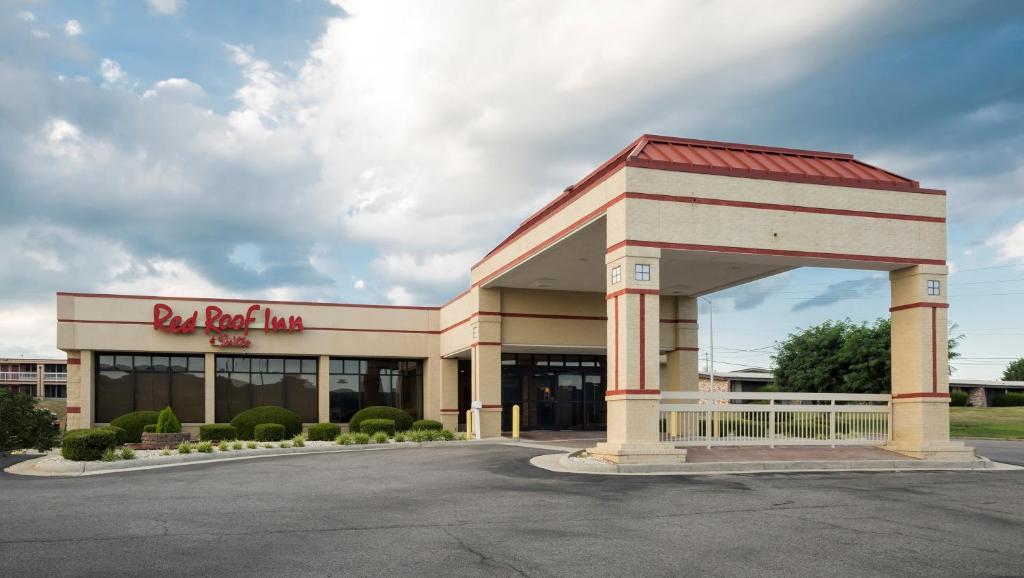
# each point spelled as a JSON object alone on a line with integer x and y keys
{"x": 475, "y": 510}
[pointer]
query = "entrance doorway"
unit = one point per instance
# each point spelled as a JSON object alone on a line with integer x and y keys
{"x": 553, "y": 391}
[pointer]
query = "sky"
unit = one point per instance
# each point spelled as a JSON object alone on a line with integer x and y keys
{"x": 360, "y": 151}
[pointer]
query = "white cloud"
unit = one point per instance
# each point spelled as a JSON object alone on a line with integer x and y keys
{"x": 359, "y": 285}
{"x": 176, "y": 87}
{"x": 73, "y": 28}
{"x": 398, "y": 295}
{"x": 41, "y": 34}
{"x": 111, "y": 71}
{"x": 1009, "y": 243}
{"x": 165, "y": 7}
{"x": 27, "y": 16}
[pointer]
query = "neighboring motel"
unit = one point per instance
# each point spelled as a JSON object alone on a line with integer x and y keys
{"x": 582, "y": 316}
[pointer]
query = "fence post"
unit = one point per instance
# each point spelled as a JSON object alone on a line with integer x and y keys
{"x": 771, "y": 423}
{"x": 707, "y": 424}
{"x": 832, "y": 423}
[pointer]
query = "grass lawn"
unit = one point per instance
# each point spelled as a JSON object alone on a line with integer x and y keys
{"x": 986, "y": 422}
{"x": 57, "y": 406}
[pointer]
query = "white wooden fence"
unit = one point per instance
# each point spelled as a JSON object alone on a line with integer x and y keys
{"x": 704, "y": 418}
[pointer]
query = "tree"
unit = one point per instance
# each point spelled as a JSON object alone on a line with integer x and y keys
{"x": 1014, "y": 371}
{"x": 839, "y": 357}
{"x": 23, "y": 425}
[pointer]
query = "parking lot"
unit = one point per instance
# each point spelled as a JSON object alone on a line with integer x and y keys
{"x": 482, "y": 510}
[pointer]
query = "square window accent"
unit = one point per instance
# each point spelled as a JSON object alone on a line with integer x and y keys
{"x": 616, "y": 275}
{"x": 643, "y": 272}
{"x": 934, "y": 287}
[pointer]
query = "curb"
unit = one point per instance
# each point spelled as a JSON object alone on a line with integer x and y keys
{"x": 46, "y": 466}
{"x": 563, "y": 463}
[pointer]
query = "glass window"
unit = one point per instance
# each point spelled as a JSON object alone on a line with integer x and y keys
{"x": 290, "y": 383}
{"x": 359, "y": 383}
{"x": 934, "y": 287}
{"x": 642, "y": 272}
{"x": 616, "y": 274}
{"x": 125, "y": 383}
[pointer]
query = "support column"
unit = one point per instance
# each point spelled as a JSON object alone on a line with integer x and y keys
{"x": 74, "y": 398}
{"x": 86, "y": 391}
{"x": 486, "y": 351}
{"x": 323, "y": 388}
{"x": 450, "y": 393}
{"x": 633, "y": 395}
{"x": 210, "y": 387}
{"x": 40, "y": 380}
{"x": 920, "y": 365}
{"x": 682, "y": 371}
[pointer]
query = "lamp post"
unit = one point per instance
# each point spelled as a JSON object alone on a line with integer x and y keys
{"x": 711, "y": 331}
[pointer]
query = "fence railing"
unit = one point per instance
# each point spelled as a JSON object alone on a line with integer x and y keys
{"x": 55, "y": 376}
{"x": 18, "y": 375}
{"x": 774, "y": 418}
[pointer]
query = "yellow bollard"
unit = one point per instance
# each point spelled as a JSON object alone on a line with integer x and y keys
{"x": 469, "y": 424}
{"x": 515, "y": 422}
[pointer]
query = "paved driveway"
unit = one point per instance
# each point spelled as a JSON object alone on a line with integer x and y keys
{"x": 1006, "y": 451}
{"x": 482, "y": 510}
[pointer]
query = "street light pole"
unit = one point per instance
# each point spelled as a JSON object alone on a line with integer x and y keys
{"x": 711, "y": 331}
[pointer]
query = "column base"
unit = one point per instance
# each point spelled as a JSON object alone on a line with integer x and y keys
{"x": 631, "y": 454}
{"x": 941, "y": 451}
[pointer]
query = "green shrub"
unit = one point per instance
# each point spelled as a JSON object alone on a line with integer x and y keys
{"x": 403, "y": 421}
{"x": 245, "y": 423}
{"x": 185, "y": 447}
{"x": 23, "y": 425}
{"x": 236, "y": 445}
{"x": 446, "y": 435}
{"x": 268, "y": 445}
{"x": 380, "y": 437}
{"x": 167, "y": 422}
{"x": 285, "y": 444}
{"x": 223, "y": 446}
{"x": 269, "y": 432}
{"x": 460, "y": 436}
{"x": 251, "y": 445}
{"x": 427, "y": 424}
{"x": 361, "y": 438}
{"x": 149, "y": 428}
{"x": 109, "y": 455}
{"x": 958, "y": 398}
{"x": 1012, "y": 399}
{"x": 127, "y": 453}
{"x": 400, "y": 436}
{"x": 83, "y": 445}
{"x": 215, "y": 432}
{"x": 121, "y": 435}
{"x": 323, "y": 431}
{"x": 165, "y": 452}
{"x": 204, "y": 447}
{"x": 419, "y": 435}
{"x": 299, "y": 441}
{"x": 372, "y": 426}
{"x": 343, "y": 439}
{"x": 133, "y": 423}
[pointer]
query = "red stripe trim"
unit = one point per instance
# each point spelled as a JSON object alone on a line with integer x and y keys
{"x": 686, "y": 349}
{"x": 74, "y": 409}
{"x": 920, "y": 394}
{"x": 643, "y": 343}
{"x": 74, "y": 361}
{"x": 475, "y": 343}
{"x": 546, "y": 316}
{"x": 678, "y": 320}
{"x": 789, "y": 178}
{"x": 456, "y": 298}
{"x": 616, "y": 342}
{"x": 779, "y": 207}
{"x": 935, "y": 361}
{"x": 920, "y": 304}
{"x": 632, "y": 292}
{"x": 449, "y": 410}
{"x": 632, "y": 392}
{"x": 490, "y": 406}
{"x": 253, "y": 301}
{"x": 776, "y": 252}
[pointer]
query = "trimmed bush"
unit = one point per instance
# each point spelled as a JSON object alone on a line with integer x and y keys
{"x": 403, "y": 421}
{"x": 149, "y": 428}
{"x": 167, "y": 422}
{"x": 122, "y": 435}
{"x": 958, "y": 398}
{"x": 269, "y": 432}
{"x": 245, "y": 423}
{"x": 134, "y": 422}
{"x": 372, "y": 426}
{"x": 1012, "y": 399}
{"x": 82, "y": 445}
{"x": 216, "y": 432}
{"x": 323, "y": 432}
{"x": 361, "y": 438}
{"x": 427, "y": 424}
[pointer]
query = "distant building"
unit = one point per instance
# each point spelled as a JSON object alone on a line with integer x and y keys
{"x": 981, "y": 392}
{"x": 47, "y": 378}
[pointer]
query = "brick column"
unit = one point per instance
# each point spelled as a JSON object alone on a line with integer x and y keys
{"x": 682, "y": 364}
{"x": 40, "y": 380}
{"x": 633, "y": 395}
{"x": 920, "y": 365}
{"x": 74, "y": 398}
{"x": 449, "y": 393}
{"x": 210, "y": 387}
{"x": 323, "y": 388}
{"x": 86, "y": 398}
{"x": 486, "y": 352}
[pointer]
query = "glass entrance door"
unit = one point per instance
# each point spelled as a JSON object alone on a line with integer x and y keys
{"x": 554, "y": 391}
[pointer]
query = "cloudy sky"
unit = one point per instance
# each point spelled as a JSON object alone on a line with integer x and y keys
{"x": 356, "y": 151}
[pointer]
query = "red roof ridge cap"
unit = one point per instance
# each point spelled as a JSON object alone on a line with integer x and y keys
{"x": 745, "y": 147}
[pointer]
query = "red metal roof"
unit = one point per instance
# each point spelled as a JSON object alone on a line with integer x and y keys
{"x": 759, "y": 162}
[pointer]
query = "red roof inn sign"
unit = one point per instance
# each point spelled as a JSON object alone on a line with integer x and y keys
{"x": 218, "y": 323}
